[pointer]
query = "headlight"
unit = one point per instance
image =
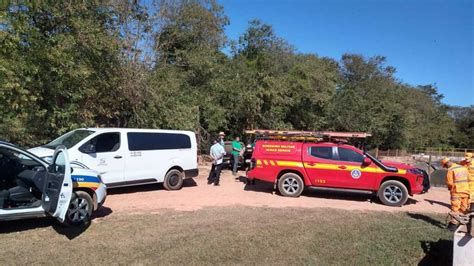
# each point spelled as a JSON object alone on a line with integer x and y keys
{"x": 416, "y": 171}
{"x": 48, "y": 159}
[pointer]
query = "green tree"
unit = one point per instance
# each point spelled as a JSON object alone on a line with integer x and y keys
{"x": 60, "y": 66}
{"x": 398, "y": 115}
{"x": 183, "y": 87}
{"x": 68, "y": 64}
{"x": 464, "y": 123}
{"x": 275, "y": 87}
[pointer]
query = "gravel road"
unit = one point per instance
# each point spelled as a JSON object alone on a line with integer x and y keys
{"x": 196, "y": 194}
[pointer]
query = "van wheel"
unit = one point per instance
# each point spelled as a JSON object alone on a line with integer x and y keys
{"x": 80, "y": 209}
{"x": 393, "y": 193}
{"x": 290, "y": 185}
{"x": 173, "y": 180}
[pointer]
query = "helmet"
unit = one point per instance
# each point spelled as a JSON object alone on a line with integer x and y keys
{"x": 444, "y": 161}
{"x": 468, "y": 156}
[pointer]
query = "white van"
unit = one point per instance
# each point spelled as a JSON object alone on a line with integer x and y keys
{"x": 127, "y": 157}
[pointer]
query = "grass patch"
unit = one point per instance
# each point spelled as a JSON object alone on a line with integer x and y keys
{"x": 235, "y": 235}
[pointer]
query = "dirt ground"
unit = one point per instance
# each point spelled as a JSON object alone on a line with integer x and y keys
{"x": 196, "y": 194}
{"x": 235, "y": 224}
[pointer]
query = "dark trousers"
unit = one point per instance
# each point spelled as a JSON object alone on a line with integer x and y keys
{"x": 3, "y": 196}
{"x": 215, "y": 174}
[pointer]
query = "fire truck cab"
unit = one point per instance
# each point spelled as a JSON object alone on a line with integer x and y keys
{"x": 295, "y": 160}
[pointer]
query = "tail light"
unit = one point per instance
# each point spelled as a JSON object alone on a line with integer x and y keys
{"x": 253, "y": 163}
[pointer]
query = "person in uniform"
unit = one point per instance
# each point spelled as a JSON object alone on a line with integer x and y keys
{"x": 457, "y": 182}
{"x": 469, "y": 164}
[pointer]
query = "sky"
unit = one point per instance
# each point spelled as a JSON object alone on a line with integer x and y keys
{"x": 427, "y": 41}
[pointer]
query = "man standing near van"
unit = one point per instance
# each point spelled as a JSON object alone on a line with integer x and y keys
{"x": 221, "y": 139}
{"x": 236, "y": 150}
{"x": 217, "y": 153}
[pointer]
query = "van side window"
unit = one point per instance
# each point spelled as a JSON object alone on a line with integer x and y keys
{"x": 144, "y": 141}
{"x": 321, "y": 152}
{"x": 348, "y": 155}
{"x": 107, "y": 142}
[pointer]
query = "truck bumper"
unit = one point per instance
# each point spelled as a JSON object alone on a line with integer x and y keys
{"x": 191, "y": 173}
{"x": 101, "y": 194}
{"x": 418, "y": 188}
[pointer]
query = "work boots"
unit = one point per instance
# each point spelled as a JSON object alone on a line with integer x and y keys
{"x": 452, "y": 227}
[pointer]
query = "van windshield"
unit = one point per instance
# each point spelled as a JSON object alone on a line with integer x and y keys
{"x": 69, "y": 139}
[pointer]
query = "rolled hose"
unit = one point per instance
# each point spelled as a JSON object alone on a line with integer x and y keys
{"x": 381, "y": 165}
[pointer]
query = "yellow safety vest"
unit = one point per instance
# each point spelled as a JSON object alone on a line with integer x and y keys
{"x": 470, "y": 168}
{"x": 461, "y": 182}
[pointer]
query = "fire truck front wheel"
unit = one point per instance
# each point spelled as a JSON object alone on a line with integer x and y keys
{"x": 393, "y": 193}
{"x": 290, "y": 185}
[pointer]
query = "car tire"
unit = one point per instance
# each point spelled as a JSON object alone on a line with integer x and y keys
{"x": 290, "y": 185}
{"x": 173, "y": 180}
{"x": 393, "y": 193}
{"x": 80, "y": 209}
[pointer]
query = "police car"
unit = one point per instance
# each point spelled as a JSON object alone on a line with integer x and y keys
{"x": 31, "y": 187}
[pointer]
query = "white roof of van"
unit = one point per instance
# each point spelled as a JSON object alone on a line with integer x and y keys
{"x": 121, "y": 129}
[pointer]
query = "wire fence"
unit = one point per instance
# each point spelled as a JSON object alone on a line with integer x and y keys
{"x": 438, "y": 152}
{"x": 426, "y": 159}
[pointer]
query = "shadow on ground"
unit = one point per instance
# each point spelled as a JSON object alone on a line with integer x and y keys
{"x": 25, "y": 225}
{"x": 256, "y": 185}
{"x": 148, "y": 187}
{"x": 437, "y": 253}
{"x": 35, "y": 223}
{"x": 266, "y": 187}
{"x": 438, "y": 203}
{"x": 427, "y": 219}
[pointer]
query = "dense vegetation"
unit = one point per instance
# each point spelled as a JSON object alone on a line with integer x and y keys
{"x": 69, "y": 64}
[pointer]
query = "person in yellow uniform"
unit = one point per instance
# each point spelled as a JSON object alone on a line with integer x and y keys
{"x": 469, "y": 164}
{"x": 457, "y": 181}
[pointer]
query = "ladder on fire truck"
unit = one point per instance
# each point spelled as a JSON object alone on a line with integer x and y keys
{"x": 307, "y": 135}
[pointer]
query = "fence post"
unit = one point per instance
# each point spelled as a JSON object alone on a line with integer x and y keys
{"x": 396, "y": 153}
{"x": 430, "y": 169}
{"x": 376, "y": 152}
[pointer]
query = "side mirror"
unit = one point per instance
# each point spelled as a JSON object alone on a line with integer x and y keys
{"x": 87, "y": 148}
{"x": 366, "y": 162}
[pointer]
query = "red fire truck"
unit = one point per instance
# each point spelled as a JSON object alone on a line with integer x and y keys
{"x": 293, "y": 160}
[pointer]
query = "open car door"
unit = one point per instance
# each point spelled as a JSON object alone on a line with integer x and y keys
{"x": 57, "y": 190}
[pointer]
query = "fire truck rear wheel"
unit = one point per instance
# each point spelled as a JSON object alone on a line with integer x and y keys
{"x": 290, "y": 185}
